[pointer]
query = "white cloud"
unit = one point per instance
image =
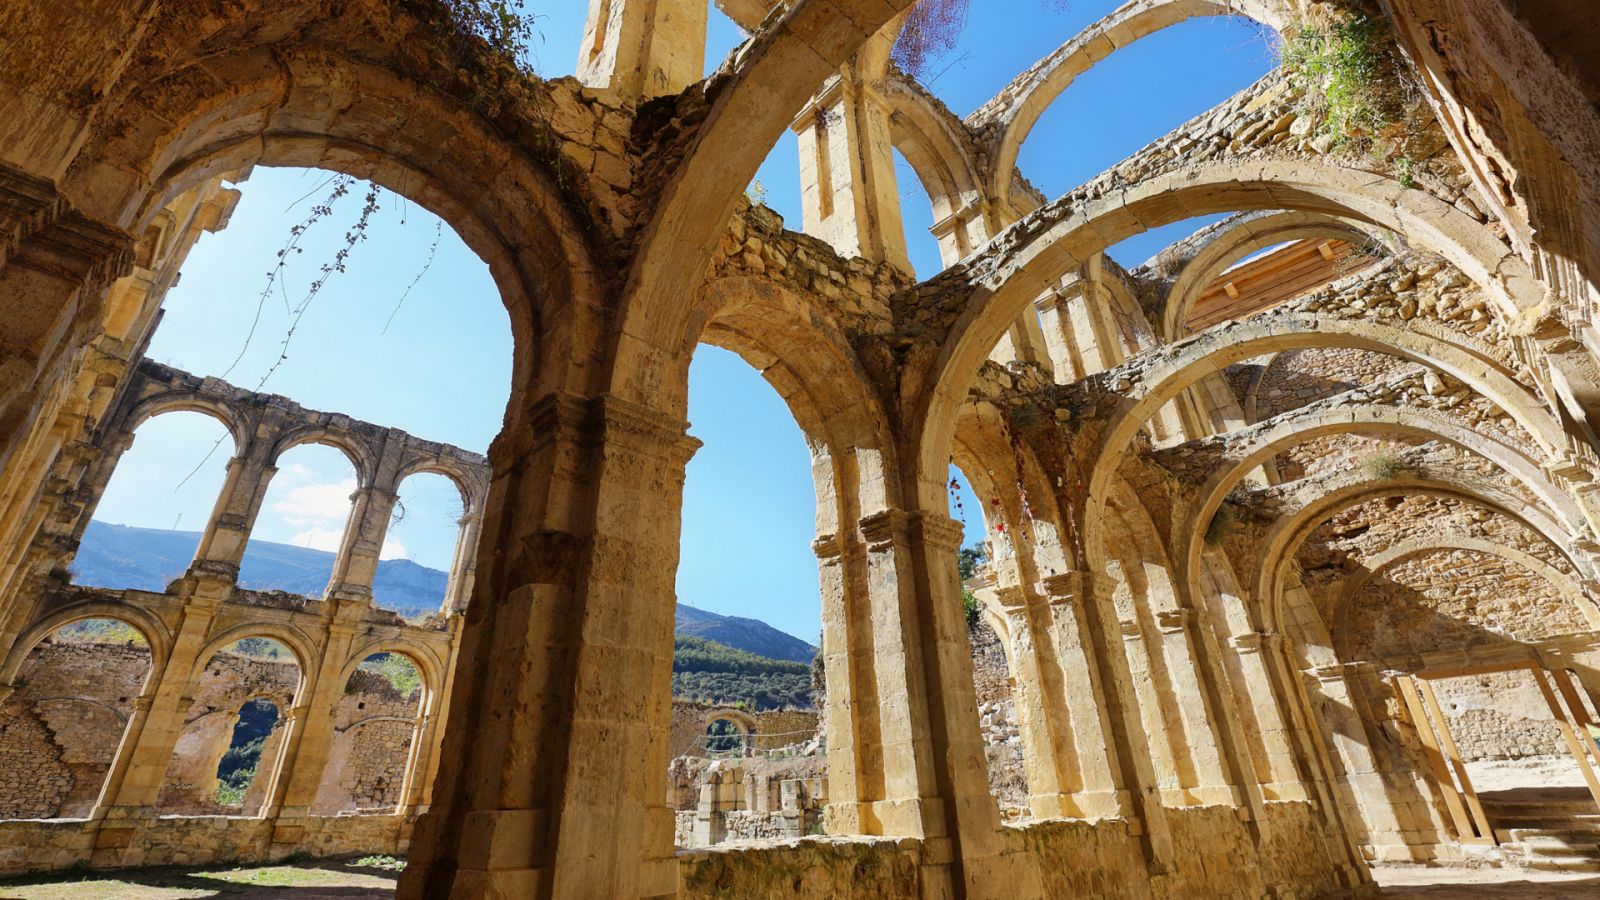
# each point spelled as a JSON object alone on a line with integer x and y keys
{"x": 393, "y": 549}
{"x": 317, "y": 505}
{"x": 319, "y": 539}
{"x": 296, "y": 470}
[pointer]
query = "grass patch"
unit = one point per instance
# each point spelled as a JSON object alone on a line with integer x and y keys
{"x": 387, "y": 863}
{"x": 1382, "y": 466}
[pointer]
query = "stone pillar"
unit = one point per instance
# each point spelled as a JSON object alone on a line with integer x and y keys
{"x": 1096, "y": 789}
{"x": 935, "y": 772}
{"x": 464, "y": 567}
{"x": 362, "y": 544}
{"x": 309, "y": 730}
{"x": 222, "y": 545}
{"x": 850, "y": 715}
{"x": 1189, "y": 682}
{"x": 847, "y": 178}
{"x": 428, "y": 740}
{"x": 1275, "y": 768}
{"x": 136, "y": 775}
{"x": 639, "y": 49}
{"x": 1117, "y": 692}
{"x": 1362, "y": 787}
{"x": 55, "y": 266}
{"x": 552, "y": 778}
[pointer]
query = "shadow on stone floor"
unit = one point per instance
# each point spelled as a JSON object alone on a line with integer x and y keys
{"x": 1517, "y": 889}
{"x": 135, "y": 883}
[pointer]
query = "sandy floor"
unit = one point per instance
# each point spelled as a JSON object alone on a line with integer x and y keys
{"x": 343, "y": 881}
{"x": 1415, "y": 883}
{"x": 1538, "y": 771}
{"x": 305, "y": 881}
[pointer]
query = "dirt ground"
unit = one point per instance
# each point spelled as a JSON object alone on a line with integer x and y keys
{"x": 1418, "y": 883}
{"x": 372, "y": 877}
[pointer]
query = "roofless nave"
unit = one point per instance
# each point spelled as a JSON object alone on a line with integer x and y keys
{"x": 1286, "y": 549}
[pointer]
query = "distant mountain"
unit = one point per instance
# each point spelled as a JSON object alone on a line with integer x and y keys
{"x": 122, "y": 556}
{"x": 749, "y": 635}
{"x": 147, "y": 559}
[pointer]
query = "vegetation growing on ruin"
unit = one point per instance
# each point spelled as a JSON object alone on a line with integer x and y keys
{"x": 1224, "y": 522}
{"x": 1358, "y": 91}
{"x": 708, "y": 672}
{"x": 401, "y": 673}
{"x": 968, "y": 559}
{"x": 1381, "y": 466}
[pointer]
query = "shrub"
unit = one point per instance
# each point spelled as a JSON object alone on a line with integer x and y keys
{"x": 1381, "y": 466}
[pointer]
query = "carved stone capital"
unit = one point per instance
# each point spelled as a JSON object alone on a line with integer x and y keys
{"x": 938, "y": 531}
{"x": 881, "y": 530}
{"x": 1063, "y": 588}
{"x": 827, "y": 546}
{"x": 1172, "y": 621}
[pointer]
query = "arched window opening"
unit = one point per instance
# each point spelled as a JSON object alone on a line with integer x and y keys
{"x": 1141, "y": 92}
{"x": 748, "y": 587}
{"x": 988, "y": 566}
{"x": 723, "y": 36}
{"x": 237, "y": 769}
{"x": 423, "y": 346}
{"x": 725, "y": 738}
{"x": 916, "y": 213}
{"x": 157, "y": 503}
{"x": 372, "y": 760}
{"x": 303, "y": 523}
{"x": 62, "y": 725}
{"x": 231, "y": 739}
{"x": 421, "y": 547}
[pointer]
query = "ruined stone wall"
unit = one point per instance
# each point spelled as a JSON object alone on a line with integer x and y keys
{"x": 61, "y": 729}
{"x": 1501, "y": 715}
{"x": 374, "y": 726}
{"x": 775, "y": 729}
{"x": 1456, "y": 598}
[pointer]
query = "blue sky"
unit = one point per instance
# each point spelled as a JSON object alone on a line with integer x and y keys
{"x": 441, "y": 368}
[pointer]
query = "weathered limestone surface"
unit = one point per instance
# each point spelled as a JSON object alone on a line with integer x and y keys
{"x": 1227, "y": 565}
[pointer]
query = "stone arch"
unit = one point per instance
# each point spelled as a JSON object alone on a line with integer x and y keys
{"x": 1367, "y": 420}
{"x": 1285, "y": 536}
{"x": 238, "y": 425}
{"x": 1218, "y": 348}
{"x": 304, "y": 649}
{"x": 1216, "y": 248}
{"x": 156, "y": 634}
{"x": 1019, "y": 105}
{"x": 1566, "y": 585}
{"x": 294, "y": 104}
{"x": 1072, "y": 228}
{"x": 771, "y": 81}
{"x": 363, "y": 457}
{"x": 429, "y": 665}
{"x": 470, "y": 481}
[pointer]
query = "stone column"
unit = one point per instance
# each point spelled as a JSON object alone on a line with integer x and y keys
{"x": 553, "y": 774}
{"x": 935, "y": 772}
{"x": 1096, "y": 789}
{"x": 847, "y": 178}
{"x": 1049, "y": 757}
{"x": 222, "y": 545}
{"x": 464, "y": 567}
{"x": 55, "y": 266}
{"x": 855, "y": 757}
{"x": 135, "y": 782}
{"x": 419, "y": 781}
{"x": 1361, "y": 784}
{"x": 639, "y": 49}
{"x": 362, "y": 544}
{"x": 309, "y": 731}
{"x": 1117, "y": 692}
{"x": 1210, "y": 783}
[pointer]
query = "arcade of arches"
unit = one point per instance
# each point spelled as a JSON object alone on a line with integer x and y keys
{"x": 1292, "y": 531}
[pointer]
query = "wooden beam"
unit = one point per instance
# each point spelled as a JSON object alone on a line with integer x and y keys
{"x": 1461, "y": 821}
{"x": 1448, "y": 743}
